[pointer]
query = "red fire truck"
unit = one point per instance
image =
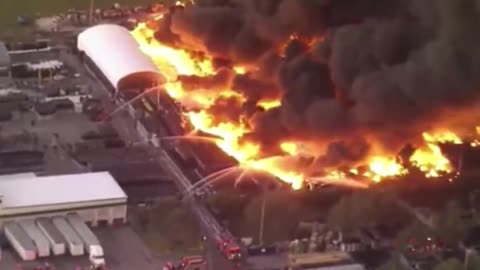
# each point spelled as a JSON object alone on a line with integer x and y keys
{"x": 188, "y": 263}
{"x": 230, "y": 249}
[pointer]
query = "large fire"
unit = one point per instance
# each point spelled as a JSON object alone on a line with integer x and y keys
{"x": 172, "y": 62}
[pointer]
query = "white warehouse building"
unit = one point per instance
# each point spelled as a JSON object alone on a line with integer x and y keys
{"x": 96, "y": 197}
{"x": 114, "y": 55}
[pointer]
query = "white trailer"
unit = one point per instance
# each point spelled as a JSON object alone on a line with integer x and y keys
{"x": 53, "y": 235}
{"x": 20, "y": 241}
{"x": 92, "y": 244}
{"x": 74, "y": 243}
{"x": 38, "y": 237}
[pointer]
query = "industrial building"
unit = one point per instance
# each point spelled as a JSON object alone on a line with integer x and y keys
{"x": 5, "y": 61}
{"x": 96, "y": 197}
{"x": 115, "y": 58}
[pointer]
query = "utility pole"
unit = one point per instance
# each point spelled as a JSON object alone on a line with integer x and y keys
{"x": 90, "y": 16}
{"x": 262, "y": 218}
{"x": 158, "y": 98}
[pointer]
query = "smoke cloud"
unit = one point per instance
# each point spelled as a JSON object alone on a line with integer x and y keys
{"x": 373, "y": 69}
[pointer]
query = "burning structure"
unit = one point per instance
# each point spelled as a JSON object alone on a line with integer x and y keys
{"x": 324, "y": 90}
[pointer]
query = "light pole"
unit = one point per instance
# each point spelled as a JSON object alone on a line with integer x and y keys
{"x": 90, "y": 16}
{"x": 262, "y": 217}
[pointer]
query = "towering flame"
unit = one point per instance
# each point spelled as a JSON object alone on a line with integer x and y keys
{"x": 175, "y": 62}
{"x": 430, "y": 159}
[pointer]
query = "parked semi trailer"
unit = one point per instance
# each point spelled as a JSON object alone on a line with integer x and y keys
{"x": 53, "y": 235}
{"x": 92, "y": 245}
{"x": 20, "y": 241}
{"x": 38, "y": 237}
{"x": 74, "y": 243}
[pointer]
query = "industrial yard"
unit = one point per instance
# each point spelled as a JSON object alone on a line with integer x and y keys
{"x": 49, "y": 103}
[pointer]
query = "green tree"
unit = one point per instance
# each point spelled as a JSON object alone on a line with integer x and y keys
{"x": 281, "y": 217}
{"x": 339, "y": 215}
{"x": 450, "y": 224}
{"x": 365, "y": 208}
{"x": 392, "y": 264}
{"x": 473, "y": 262}
{"x": 228, "y": 203}
{"x": 415, "y": 230}
{"x": 450, "y": 264}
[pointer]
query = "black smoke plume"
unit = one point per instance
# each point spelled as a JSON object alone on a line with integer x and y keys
{"x": 377, "y": 69}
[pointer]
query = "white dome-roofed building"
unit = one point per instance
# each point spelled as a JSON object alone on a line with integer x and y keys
{"x": 113, "y": 52}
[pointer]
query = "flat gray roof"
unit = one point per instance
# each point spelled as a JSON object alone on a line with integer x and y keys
{"x": 4, "y": 55}
{"x": 60, "y": 189}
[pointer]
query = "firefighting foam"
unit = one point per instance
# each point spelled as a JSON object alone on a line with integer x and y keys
{"x": 295, "y": 106}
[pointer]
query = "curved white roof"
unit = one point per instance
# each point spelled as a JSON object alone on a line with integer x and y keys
{"x": 116, "y": 53}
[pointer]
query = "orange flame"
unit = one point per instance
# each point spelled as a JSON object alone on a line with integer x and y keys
{"x": 430, "y": 159}
{"x": 172, "y": 62}
{"x": 384, "y": 167}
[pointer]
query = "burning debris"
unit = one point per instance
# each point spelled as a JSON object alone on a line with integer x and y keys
{"x": 336, "y": 83}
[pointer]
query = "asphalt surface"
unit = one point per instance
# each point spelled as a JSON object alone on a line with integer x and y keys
{"x": 123, "y": 251}
{"x": 209, "y": 225}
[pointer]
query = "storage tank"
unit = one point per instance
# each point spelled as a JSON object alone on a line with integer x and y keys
{"x": 74, "y": 243}
{"x": 20, "y": 241}
{"x": 38, "y": 237}
{"x": 53, "y": 235}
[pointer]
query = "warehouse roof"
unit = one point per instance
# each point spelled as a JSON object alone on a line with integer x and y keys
{"x": 58, "y": 191}
{"x": 4, "y": 55}
{"x": 14, "y": 176}
{"x": 116, "y": 53}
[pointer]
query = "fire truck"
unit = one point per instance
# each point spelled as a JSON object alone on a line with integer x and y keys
{"x": 229, "y": 248}
{"x": 188, "y": 263}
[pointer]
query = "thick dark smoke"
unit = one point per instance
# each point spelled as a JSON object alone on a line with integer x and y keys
{"x": 381, "y": 69}
{"x": 218, "y": 82}
{"x": 227, "y": 109}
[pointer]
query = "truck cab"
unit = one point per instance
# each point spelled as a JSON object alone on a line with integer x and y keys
{"x": 233, "y": 253}
{"x": 188, "y": 263}
{"x": 194, "y": 263}
{"x": 230, "y": 249}
{"x": 96, "y": 256}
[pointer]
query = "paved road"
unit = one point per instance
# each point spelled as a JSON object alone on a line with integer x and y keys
{"x": 209, "y": 224}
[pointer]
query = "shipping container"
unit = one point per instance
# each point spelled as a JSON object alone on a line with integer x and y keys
{"x": 38, "y": 237}
{"x": 53, "y": 235}
{"x": 20, "y": 241}
{"x": 74, "y": 243}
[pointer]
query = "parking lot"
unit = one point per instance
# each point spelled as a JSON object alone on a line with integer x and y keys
{"x": 123, "y": 251}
